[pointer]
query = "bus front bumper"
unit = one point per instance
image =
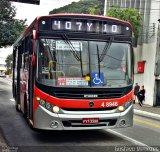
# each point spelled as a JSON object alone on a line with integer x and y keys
{"x": 46, "y": 120}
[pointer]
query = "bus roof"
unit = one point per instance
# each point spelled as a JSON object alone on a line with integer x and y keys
{"x": 34, "y": 24}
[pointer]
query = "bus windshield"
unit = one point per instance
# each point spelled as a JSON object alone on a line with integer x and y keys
{"x": 80, "y": 63}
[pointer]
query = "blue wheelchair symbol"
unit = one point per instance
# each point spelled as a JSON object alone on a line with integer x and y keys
{"x": 97, "y": 79}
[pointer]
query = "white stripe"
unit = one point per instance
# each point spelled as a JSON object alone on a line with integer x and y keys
{"x": 136, "y": 142}
{"x": 146, "y": 113}
{"x": 12, "y": 100}
{"x": 127, "y": 138}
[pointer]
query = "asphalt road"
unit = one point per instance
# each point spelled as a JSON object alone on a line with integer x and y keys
{"x": 144, "y": 135}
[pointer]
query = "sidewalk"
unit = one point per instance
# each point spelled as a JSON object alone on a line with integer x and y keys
{"x": 147, "y": 111}
{"x": 7, "y": 80}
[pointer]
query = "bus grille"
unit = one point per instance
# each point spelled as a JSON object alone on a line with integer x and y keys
{"x": 98, "y": 94}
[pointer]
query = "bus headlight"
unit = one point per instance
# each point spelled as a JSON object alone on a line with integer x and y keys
{"x": 49, "y": 106}
{"x": 127, "y": 104}
{"x": 42, "y": 103}
{"x": 124, "y": 106}
{"x": 121, "y": 108}
{"x": 55, "y": 109}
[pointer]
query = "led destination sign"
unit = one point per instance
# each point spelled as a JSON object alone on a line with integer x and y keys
{"x": 85, "y": 26}
{"x": 90, "y": 26}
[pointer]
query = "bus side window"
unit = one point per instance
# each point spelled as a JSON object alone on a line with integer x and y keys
{"x": 26, "y": 62}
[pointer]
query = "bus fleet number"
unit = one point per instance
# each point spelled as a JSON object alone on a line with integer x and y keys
{"x": 109, "y": 104}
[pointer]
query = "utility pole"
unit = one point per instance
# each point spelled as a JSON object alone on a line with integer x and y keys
{"x": 105, "y": 7}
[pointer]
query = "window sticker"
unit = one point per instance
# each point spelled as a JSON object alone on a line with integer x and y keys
{"x": 61, "y": 45}
{"x": 97, "y": 78}
{"x": 72, "y": 81}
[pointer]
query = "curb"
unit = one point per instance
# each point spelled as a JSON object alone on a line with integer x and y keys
{"x": 6, "y": 79}
{"x": 147, "y": 114}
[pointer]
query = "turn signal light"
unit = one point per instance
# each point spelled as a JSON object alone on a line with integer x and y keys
{"x": 38, "y": 98}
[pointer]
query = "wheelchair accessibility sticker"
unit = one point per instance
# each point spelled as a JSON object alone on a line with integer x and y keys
{"x": 97, "y": 79}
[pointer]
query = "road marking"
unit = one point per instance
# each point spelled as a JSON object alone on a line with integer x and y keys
{"x": 136, "y": 142}
{"x": 147, "y": 123}
{"x": 12, "y": 100}
{"x": 127, "y": 138}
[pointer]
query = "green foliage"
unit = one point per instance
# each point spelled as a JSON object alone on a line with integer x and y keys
{"x": 9, "y": 62}
{"x": 83, "y": 6}
{"x": 10, "y": 28}
{"x": 94, "y": 10}
{"x": 128, "y": 14}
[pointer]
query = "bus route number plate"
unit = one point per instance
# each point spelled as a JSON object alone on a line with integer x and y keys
{"x": 90, "y": 120}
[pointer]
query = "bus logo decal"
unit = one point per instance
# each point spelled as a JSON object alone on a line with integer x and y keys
{"x": 91, "y": 103}
{"x": 90, "y": 95}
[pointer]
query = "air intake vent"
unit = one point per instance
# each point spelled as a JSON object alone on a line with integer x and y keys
{"x": 90, "y": 93}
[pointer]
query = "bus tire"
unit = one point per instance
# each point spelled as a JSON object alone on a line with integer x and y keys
{"x": 18, "y": 109}
{"x": 25, "y": 113}
{"x": 17, "y": 104}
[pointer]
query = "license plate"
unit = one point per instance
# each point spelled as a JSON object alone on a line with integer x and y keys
{"x": 90, "y": 120}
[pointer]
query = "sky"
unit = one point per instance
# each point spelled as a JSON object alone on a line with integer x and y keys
{"x": 30, "y": 12}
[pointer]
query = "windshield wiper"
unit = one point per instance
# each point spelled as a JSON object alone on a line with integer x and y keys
{"x": 102, "y": 56}
{"x": 126, "y": 68}
{"x": 73, "y": 50}
{"x": 105, "y": 50}
{"x": 81, "y": 59}
{"x": 98, "y": 57}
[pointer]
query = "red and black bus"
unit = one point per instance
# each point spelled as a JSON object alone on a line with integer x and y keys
{"x": 74, "y": 72}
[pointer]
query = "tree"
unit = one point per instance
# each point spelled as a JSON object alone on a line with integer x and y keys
{"x": 94, "y": 10}
{"x": 83, "y": 6}
{"x": 128, "y": 14}
{"x": 9, "y": 62}
{"x": 10, "y": 28}
{"x": 97, "y": 9}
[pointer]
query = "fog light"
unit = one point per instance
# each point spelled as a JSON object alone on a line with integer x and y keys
{"x": 122, "y": 123}
{"x": 55, "y": 109}
{"x": 54, "y": 124}
{"x": 121, "y": 108}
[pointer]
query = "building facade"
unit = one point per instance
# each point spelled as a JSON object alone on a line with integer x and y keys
{"x": 2, "y": 66}
{"x": 147, "y": 52}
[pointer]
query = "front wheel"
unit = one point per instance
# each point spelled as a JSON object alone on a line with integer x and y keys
{"x": 18, "y": 108}
{"x": 17, "y": 104}
{"x": 25, "y": 114}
